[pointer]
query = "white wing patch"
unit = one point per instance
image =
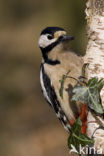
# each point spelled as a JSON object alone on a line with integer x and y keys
{"x": 59, "y": 113}
{"x": 43, "y": 87}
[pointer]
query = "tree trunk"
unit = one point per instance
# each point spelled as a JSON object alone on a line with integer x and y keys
{"x": 95, "y": 59}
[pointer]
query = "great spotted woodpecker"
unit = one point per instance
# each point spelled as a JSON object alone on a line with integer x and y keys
{"x": 57, "y": 60}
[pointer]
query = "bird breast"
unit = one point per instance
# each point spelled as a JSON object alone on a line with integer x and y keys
{"x": 68, "y": 62}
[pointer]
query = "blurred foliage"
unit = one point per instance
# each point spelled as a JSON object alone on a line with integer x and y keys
{"x": 71, "y": 14}
{"x": 23, "y": 112}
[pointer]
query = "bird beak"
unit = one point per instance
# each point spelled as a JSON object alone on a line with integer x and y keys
{"x": 66, "y": 38}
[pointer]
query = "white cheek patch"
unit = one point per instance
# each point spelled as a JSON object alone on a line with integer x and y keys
{"x": 44, "y": 41}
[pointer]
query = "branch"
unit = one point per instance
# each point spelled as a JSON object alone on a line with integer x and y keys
{"x": 95, "y": 58}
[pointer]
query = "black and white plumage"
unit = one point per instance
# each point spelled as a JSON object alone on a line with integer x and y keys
{"x": 50, "y": 96}
{"x": 57, "y": 61}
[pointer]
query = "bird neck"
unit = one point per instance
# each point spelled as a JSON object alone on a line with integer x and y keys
{"x": 50, "y": 60}
{"x": 55, "y": 52}
{"x": 50, "y": 54}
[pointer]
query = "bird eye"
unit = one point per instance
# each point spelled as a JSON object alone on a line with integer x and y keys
{"x": 50, "y": 37}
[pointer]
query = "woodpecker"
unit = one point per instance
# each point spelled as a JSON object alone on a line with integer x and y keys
{"x": 57, "y": 60}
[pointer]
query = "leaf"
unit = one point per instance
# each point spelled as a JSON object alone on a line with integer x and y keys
{"x": 80, "y": 94}
{"x": 89, "y": 94}
{"x": 62, "y": 84}
{"x": 77, "y": 138}
{"x": 92, "y": 81}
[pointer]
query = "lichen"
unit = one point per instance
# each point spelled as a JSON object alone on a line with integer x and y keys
{"x": 99, "y": 6}
{"x": 95, "y": 56}
{"x": 94, "y": 7}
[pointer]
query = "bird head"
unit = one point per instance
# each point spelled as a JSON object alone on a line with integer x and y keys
{"x": 52, "y": 40}
{"x": 53, "y": 36}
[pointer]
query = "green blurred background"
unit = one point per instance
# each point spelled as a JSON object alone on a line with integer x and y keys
{"x": 28, "y": 126}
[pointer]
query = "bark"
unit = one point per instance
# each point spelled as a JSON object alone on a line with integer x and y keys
{"x": 95, "y": 59}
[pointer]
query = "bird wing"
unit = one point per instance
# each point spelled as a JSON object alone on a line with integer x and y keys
{"x": 50, "y": 96}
